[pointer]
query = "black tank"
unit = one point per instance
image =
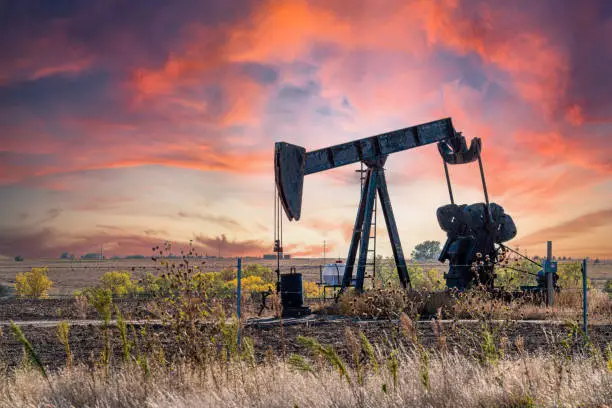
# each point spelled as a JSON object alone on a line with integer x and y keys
{"x": 292, "y": 293}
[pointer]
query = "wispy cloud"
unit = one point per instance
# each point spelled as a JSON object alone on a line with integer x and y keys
{"x": 207, "y": 87}
{"x": 575, "y": 227}
{"x": 221, "y": 220}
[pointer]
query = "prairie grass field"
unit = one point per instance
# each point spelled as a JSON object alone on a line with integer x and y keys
{"x": 451, "y": 380}
{"x": 92, "y": 340}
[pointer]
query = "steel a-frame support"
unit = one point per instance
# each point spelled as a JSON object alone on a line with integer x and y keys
{"x": 375, "y": 182}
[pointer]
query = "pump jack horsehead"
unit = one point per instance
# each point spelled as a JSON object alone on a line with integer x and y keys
{"x": 473, "y": 230}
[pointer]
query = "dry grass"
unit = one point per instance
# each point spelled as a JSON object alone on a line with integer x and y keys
{"x": 206, "y": 367}
{"x": 567, "y": 306}
{"x": 476, "y": 304}
{"x": 454, "y": 381}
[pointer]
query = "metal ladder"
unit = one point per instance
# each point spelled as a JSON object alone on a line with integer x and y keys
{"x": 370, "y": 273}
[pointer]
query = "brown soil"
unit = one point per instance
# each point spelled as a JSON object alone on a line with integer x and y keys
{"x": 63, "y": 308}
{"x": 87, "y": 340}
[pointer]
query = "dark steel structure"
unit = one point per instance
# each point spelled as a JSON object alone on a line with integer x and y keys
{"x": 292, "y": 295}
{"x": 472, "y": 230}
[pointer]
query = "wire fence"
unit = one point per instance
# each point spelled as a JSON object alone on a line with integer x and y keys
{"x": 311, "y": 270}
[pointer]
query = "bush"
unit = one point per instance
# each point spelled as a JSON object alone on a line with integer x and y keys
{"x": 210, "y": 284}
{"x": 227, "y": 274}
{"x": 608, "y": 287}
{"x": 421, "y": 279}
{"x": 377, "y": 303}
{"x": 33, "y": 284}
{"x": 265, "y": 273}
{"x": 119, "y": 283}
{"x": 312, "y": 290}
{"x": 570, "y": 276}
{"x": 250, "y": 284}
{"x": 511, "y": 279}
{"x": 386, "y": 272}
{"x": 101, "y": 299}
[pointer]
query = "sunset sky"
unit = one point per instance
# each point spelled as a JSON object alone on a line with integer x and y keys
{"x": 127, "y": 123}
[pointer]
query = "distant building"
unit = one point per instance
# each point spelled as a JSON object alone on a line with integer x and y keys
{"x": 273, "y": 256}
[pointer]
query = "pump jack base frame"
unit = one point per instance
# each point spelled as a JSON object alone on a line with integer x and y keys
{"x": 296, "y": 311}
{"x": 375, "y": 182}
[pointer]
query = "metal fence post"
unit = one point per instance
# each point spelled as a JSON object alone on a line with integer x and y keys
{"x": 321, "y": 292}
{"x": 550, "y": 290}
{"x": 239, "y": 294}
{"x": 585, "y": 312}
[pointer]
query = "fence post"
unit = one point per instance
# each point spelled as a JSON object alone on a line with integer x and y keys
{"x": 585, "y": 312}
{"x": 321, "y": 282}
{"x": 239, "y": 294}
{"x": 550, "y": 290}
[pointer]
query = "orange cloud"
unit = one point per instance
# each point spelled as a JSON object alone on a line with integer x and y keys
{"x": 309, "y": 250}
{"x": 538, "y": 67}
{"x": 571, "y": 228}
{"x": 580, "y": 236}
{"x": 72, "y": 67}
{"x": 326, "y": 226}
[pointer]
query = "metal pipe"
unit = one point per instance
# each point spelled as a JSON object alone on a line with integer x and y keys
{"x": 448, "y": 183}
{"x": 550, "y": 292}
{"x": 239, "y": 294}
{"x": 585, "y": 312}
{"x": 484, "y": 183}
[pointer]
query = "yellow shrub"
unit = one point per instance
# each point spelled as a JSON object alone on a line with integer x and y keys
{"x": 251, "y": 284}
{"x": 33, "y": 284}
{"x": 118, "y": 282}
{"x": 311, "y": 289}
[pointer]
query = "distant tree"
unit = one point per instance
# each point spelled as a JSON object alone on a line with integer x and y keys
{"x": 596, "y": 260}
{"x": 65, "y": 255}
{"x": 91, "y": 255}
{"x": 19, "y": 258}
{"x": 135, "y": 257}
{"x": 426, "y": 250}
{"x": 536, "y": 257}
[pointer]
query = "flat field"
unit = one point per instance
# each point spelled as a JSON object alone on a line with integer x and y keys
{"x": 69, "y": 276}
{"x": 354, "y": 360}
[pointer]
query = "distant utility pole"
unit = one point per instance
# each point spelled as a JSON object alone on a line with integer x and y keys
{"x": 324, "y": 252}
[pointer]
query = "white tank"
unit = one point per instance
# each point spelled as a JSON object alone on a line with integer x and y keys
{"x": 333, "y": 273}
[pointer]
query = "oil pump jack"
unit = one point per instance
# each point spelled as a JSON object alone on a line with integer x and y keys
{"x": 472, "y": 230}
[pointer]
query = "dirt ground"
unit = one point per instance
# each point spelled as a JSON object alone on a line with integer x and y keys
{"x": 87, "y": 340}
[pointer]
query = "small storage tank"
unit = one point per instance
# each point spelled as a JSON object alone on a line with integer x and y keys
{"x": 292, "y": 293}
{"x": 333, "y": 273}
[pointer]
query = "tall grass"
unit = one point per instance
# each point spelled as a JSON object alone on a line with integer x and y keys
{"x": 199, "y": 362}
{"x": 454, "y": 381}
